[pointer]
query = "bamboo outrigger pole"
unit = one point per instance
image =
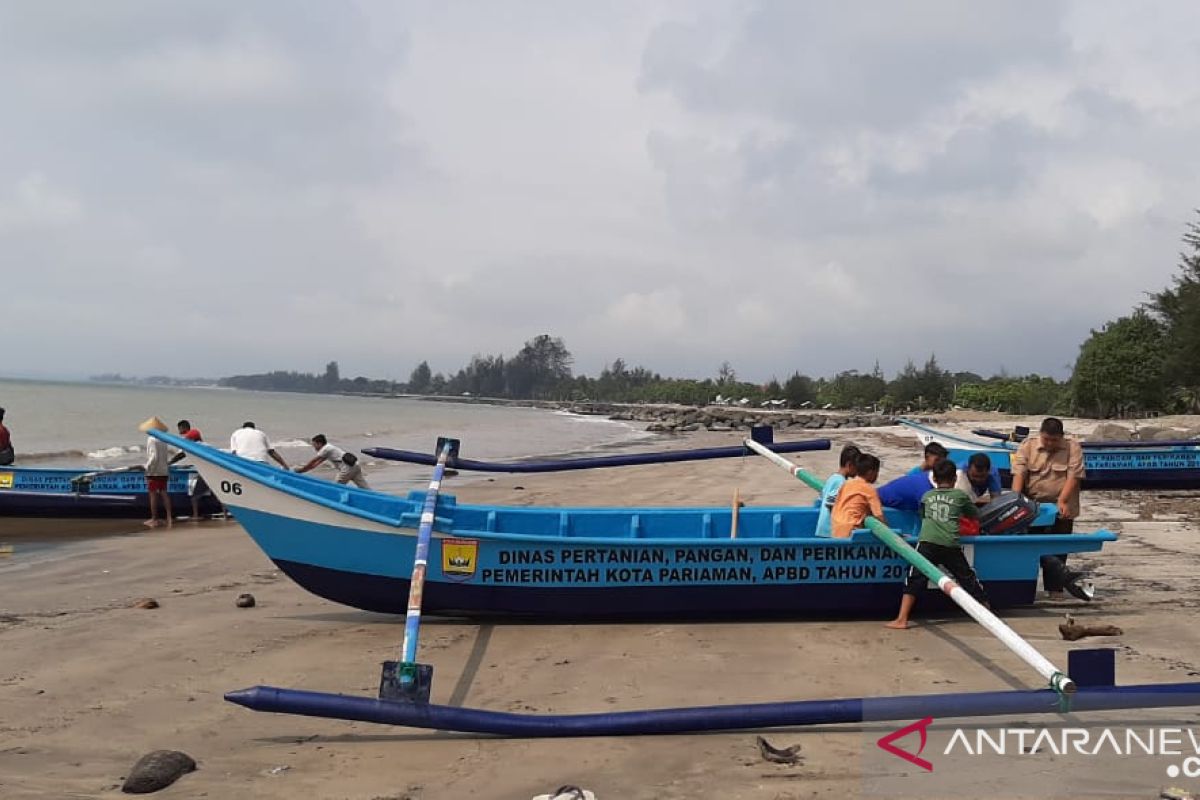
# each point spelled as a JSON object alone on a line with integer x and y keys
{"x": 1058, "y": 679}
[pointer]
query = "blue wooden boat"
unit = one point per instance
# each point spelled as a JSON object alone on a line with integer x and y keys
{"x": 1118, "y": 465}
{"x": 356, "y": 547}
{"x": 37, "y": 493}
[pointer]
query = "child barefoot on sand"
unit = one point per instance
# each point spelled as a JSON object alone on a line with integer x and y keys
{"x": 946, "y": 513}
{"x": 858, "y": 499}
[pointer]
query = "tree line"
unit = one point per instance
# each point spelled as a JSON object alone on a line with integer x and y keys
{"x": 1148, "y": 361}
{"x": 542, "y": 370}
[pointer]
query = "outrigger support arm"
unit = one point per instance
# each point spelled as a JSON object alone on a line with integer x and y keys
{"x": 406, "y": 679}
{"x": 1057, "y": 679}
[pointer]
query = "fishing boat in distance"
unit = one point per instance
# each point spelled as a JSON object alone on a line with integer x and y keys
{"x": 1107, "y": 465}
{"x": 357, "y": 547}
{"x": 35, "y": 500}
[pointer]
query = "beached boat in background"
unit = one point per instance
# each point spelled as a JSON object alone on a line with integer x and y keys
{"x": 1111, "y": 465}
{"x": 356, "y": 547}
{"x": 40, "y": 496}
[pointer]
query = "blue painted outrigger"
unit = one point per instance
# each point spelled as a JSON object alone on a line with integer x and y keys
{"x": 1121, "y": 465}
{"x": 356, "y": 547}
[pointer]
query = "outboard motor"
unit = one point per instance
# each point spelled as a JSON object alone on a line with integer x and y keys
{"x": 1008, "y": 514}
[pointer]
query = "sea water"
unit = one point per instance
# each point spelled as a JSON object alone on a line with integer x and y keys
{"x": 95, "y": 426}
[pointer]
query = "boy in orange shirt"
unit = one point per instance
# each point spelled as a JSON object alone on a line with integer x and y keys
{"x": 858, "y": 498}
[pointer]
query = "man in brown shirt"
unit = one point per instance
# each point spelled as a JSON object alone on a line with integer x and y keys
{"x": 1048, "y": 468}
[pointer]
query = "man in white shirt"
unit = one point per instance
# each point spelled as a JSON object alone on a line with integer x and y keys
{"x": 346, "y": 464}
{"x": 249, "y": 442}
{"x": 979, "y": 480}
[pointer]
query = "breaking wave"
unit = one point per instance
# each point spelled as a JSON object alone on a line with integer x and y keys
{"x": 114, "y": 452}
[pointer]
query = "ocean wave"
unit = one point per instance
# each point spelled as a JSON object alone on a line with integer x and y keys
{"x": 49, "y": 455}
{"x": 291, "y": 443}
{"x": 117, "y": 451}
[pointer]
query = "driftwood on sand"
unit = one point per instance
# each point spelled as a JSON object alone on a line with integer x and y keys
{"x": 1073, "y": 631}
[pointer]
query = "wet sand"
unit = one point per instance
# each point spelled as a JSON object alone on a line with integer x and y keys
{"x": 88, "y": 683}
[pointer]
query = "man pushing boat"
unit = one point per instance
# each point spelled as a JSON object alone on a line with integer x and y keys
{"x": 346, "y": 464}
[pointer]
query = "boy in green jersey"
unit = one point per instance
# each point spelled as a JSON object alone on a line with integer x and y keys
{"x": 946, "y": 513}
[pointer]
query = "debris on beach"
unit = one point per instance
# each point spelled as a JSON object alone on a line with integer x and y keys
{"x": 786, "y": 755}
{"x": 1073, "y": 631}
{"x": 157, "y": 770}
{"x": 1174, "y": 793}
{"x": 146, "y": 602}
{"x": 567, "y": 793}
{"x": 412, "y": 793}
{"x": 245, "y": 601}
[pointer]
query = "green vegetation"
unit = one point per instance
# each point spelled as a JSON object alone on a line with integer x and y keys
{"x": 1146, "y": 362}
{"x": 1150, "y": 360}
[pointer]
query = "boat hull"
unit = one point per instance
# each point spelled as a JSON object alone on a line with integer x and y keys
{"x": 388, "y": 595}
{"x": 357, "y": 547}
{"x": 1122, "y": 466}
{"x": 49, "y": 494}
{"x": 1117, "y": 469}
{"x": 626, "y": 579}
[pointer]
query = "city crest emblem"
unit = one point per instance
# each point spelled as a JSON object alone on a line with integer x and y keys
{"x": 459, "y": 558}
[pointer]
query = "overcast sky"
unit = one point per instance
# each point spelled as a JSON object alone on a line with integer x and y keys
{"x": 209, "y": 188}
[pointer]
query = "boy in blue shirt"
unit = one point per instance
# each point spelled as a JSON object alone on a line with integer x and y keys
{"x": 833, "y": 485}
{"x": 905, "y": 492}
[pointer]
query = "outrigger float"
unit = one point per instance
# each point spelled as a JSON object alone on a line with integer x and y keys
{"x": 592, "y": 462}
{"x": 1107, "y": 465}
{"x": 405, "y": 684}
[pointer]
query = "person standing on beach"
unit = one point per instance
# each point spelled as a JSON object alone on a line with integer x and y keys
{"x": 249, "y": 442}
{"x": 158, "y": 471}
{"x": 7, "y": 456}
{"x": 346, "y": 464}
{"x": 1048, "y": 468}
{"x": 833, "y": 485}
{"x": 197, "y": 488}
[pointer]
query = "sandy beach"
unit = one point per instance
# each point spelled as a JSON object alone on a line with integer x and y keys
{"x": 88, "y": 683}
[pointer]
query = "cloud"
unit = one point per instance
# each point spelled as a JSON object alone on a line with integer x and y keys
{"x": 781, "y": 185}
{"x": 36, "y": 203}
{"x": 225, "y": 73}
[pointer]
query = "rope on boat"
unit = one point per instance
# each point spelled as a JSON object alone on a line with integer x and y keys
{"x": 1057, "y": 679}
{"x": 412, "y": 622}
{"x": 594, "y": 462}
